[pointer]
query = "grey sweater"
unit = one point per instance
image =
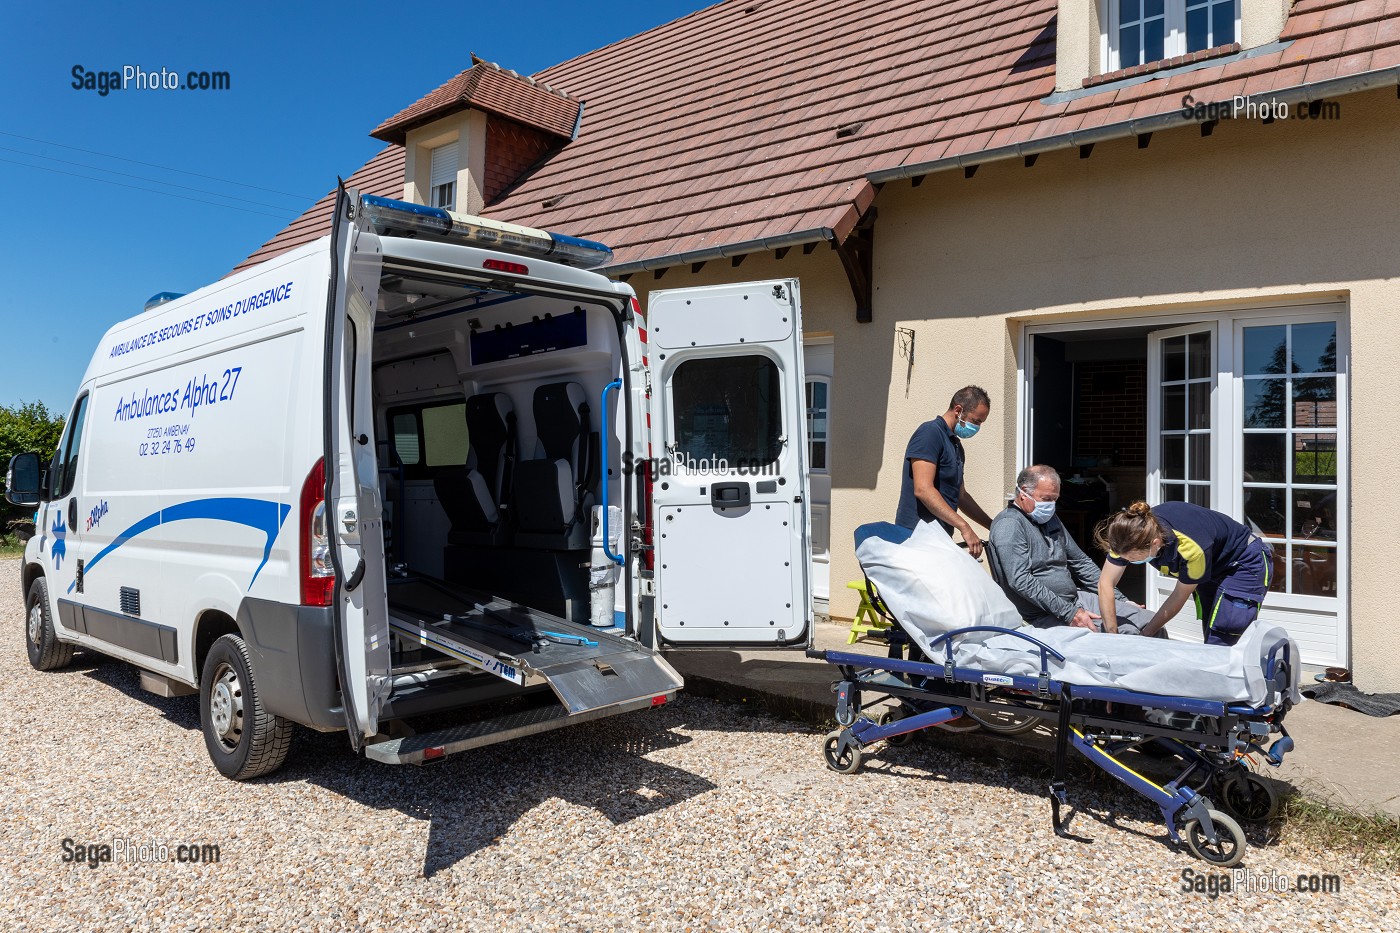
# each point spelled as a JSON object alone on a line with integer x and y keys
{"x": 1042, "y": 568}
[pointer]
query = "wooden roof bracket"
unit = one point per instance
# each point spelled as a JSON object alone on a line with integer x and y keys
{"x": 857, "y": 254}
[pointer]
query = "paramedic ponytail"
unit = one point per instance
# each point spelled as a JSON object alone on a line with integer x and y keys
{"x": 1131, "y": 529}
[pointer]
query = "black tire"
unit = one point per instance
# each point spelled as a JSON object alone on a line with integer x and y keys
{"x": 243, "y": 739}
{"x": 894, "y": 715}
{"x": 1227, "y": 852}
{"x": 847, "y": 762}
{"x": 46, "y": 652}
{"x": 1008, "y": 722}
{"x": 1248, "y": 796}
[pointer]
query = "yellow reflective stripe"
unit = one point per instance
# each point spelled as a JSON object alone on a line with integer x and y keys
{"x": 1141, "y": 777}
{"x": 1193, "y": 555}
{"x": 1216, "y": 611}
{"x": 1268, "y": 566}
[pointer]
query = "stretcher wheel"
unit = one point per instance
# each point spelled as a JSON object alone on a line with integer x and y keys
{"x": 1225, "y": 853}
{"x": 1007, "y": 723}
{"x": 1248, "y": 796}
{"x": 895, "y": 715}
{"x": 847, "y": 762}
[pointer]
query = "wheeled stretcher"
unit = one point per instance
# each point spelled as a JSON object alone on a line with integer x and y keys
{"x": 1105, "y": 695}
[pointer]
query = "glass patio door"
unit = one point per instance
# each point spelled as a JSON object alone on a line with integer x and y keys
{"x": 1182, "y": 456}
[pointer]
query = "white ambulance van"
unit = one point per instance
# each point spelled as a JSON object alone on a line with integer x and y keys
{"x": 428, "y": 480}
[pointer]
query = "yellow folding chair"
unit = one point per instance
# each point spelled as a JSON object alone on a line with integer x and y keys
{"x": 867, "y": 620}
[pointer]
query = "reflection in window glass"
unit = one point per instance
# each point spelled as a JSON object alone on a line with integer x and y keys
{"x": 1265, "y": 511}
{"x": 816, "y": 424}
{"x": 1174, "y": 408}
{"x": 1315, "y": 514}
{"x": 1315, "y": 458}
{"x": 1200, "y": 456}
{"x": 1315, "y": 571}
{"x": 727, "y": 408}
{"x": 1263, "y": 458}
{"x": 1315, "y": 402}
{"x": 1263, "y": 403}
{"x": 1315, "y": 347}
{"x": 1173, "y": 457}
{"x": 1200, "y": 405}
{"x": 1173, "y": 359}
{"x": 1198, "y": 350}
{"x": 445, "y": 435}
{"x": 1200, "y": 495}
{"x": 1173, "y": 492}
{"x": 1264, "y": 350}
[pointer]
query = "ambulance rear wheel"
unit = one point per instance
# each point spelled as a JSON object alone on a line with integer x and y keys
{"x": 46, "y": 652}
{"x": 895, "y": 715}
{"x": 1227, "y": 851}
{"x": 1248, "y": 796}
{"x": 243, "y": 739}
{"x": 843, "y": 761}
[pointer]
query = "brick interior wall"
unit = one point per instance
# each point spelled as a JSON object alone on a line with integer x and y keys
{"x": 511, "y": 148}
{"x": 1111, "y": 411}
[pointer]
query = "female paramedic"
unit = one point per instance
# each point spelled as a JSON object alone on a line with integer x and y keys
{"x": 1222, "y": 562}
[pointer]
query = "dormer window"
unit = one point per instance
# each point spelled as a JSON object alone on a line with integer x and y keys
{"x": 443, "y": 177}
{"x": 1141, "y": 31}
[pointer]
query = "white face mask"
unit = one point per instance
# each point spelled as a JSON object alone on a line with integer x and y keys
{"x": 1042, "y": 511}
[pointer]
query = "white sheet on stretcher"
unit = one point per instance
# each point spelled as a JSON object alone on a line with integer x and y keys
{"x": 932, "y": 586}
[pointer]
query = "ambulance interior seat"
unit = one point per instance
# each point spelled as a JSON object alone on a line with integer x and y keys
{"x": 474, "y": 495}
{"x": 553, "y": 491}
{"x": 544, "y": 563}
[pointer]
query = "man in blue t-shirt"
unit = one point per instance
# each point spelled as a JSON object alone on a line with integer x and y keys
{"x": 932, "y": 487}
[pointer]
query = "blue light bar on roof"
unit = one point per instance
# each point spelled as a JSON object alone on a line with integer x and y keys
{"x": 401, "y": 218}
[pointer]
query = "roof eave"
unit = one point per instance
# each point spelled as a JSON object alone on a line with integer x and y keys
{"x": 1300, "y": 94}
{"x": 724, "y": 251}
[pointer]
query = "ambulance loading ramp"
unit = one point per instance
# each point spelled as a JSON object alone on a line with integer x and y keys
{"x": 592, "y": 672}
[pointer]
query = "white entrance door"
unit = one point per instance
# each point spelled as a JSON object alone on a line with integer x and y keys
{"x": 818, "y": 356}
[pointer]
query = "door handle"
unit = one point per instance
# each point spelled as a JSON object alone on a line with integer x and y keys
{"x": 73, "y": 515}
{"x": 729, "y": 495}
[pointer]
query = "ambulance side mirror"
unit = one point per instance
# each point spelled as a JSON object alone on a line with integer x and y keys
{"x": 22, "y": 480}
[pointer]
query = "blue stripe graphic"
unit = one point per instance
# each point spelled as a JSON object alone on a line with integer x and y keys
{"x": 262, "y": 514}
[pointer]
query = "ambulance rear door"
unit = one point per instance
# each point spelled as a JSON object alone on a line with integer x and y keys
{"x": 729, "y": 500}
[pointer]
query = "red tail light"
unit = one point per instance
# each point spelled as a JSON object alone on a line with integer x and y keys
{"x": 317, "y": 572}
{"x": 500, "y": 265}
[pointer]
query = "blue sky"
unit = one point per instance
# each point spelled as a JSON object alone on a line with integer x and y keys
{"x": 308, "y": 83}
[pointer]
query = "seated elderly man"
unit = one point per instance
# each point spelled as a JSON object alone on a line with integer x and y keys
{"x": 1045, "y": 573}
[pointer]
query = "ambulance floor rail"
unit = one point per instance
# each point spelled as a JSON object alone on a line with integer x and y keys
{"x": 1211, "y": 741}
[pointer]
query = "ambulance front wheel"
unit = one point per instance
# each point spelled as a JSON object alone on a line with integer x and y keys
{"x": 244, "y": 739}
{"x": 46, "y": 652}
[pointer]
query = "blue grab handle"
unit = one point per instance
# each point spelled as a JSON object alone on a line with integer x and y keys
{"x": 607, "y": 538}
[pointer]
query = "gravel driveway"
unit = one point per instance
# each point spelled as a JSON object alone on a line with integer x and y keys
{"x": 697, "y": 816}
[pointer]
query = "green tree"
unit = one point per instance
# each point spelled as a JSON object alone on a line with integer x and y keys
{"x": 24, "y": 427}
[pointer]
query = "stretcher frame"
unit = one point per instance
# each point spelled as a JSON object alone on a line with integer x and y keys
{"x": 1212, "y": 739}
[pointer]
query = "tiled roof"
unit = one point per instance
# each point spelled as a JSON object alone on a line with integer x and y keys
{"x": 722, "y": 127}
{"x": 486, "y": 86}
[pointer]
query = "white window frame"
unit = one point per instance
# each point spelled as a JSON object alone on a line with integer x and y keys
{"x": 1227, "y": 408}
{"x": 1174, "y": 32}
{"x": 442, "y": 192}
{"x": 1237, "y": 490}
